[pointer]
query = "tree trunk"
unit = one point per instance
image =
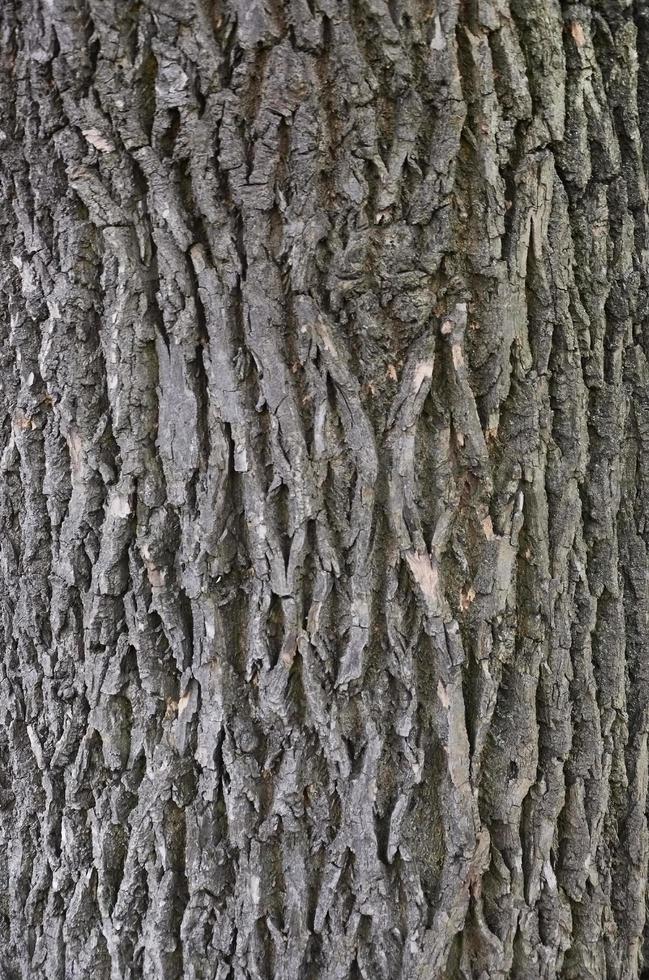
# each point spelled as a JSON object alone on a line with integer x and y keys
{"x": 324, "y": 509}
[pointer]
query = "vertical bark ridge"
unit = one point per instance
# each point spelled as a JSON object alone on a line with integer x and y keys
{"x": 323, "y": 387}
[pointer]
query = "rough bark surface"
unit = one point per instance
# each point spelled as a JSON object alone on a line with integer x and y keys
{"x": 324, "y": 506}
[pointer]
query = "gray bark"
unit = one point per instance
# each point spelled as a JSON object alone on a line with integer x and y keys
{"x": 324, "y": 508}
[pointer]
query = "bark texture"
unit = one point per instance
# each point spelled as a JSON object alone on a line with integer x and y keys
{"x": 324, "y": 506}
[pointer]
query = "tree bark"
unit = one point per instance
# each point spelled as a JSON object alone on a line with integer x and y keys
{"x": 324, "y": 509}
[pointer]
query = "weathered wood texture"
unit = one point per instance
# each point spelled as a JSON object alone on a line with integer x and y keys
{"x": 324, "y": 506}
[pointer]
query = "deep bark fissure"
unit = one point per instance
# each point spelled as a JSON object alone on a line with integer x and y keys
{"x": 323, "y": 547}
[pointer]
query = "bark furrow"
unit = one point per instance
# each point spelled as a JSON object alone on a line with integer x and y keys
{"x": 324, "y": 511}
